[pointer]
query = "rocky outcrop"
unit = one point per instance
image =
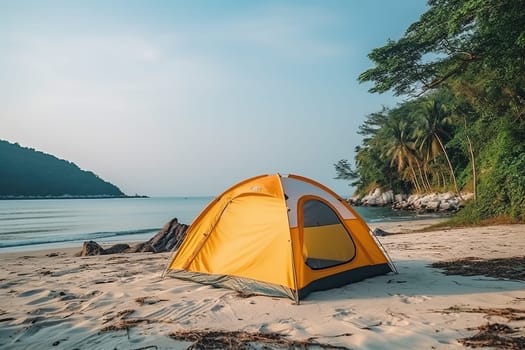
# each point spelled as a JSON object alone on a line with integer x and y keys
{"x": 376, "y": 198}
{"x": 170, "y": 236}
{"x": 434, "y": 202}
{"x": 421, "y": 203}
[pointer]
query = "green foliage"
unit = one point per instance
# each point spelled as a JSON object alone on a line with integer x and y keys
{"x": 26, "y": 172}
{"x": 502, "y": 186}
{"x": 344, "y": 170}
{"x": 402, "y": 150}
{"x": 452, "y": 38}
{"x": 462, "y": 64}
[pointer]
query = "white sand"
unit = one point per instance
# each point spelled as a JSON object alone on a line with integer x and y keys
{"x": 65, "y": 302}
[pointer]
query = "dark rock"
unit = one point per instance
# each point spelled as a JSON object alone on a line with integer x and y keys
{"x": 379, "y": 233}
{"x": 143, "y": 247}
{"x": 168, "y": 237}
{"x": 91, "y": 248}
{"x": 117, "y": 248}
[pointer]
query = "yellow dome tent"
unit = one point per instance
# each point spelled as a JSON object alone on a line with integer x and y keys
{"x": 281, "y": 236}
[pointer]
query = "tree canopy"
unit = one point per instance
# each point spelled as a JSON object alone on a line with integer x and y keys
{"x": 453, "y": 39}
{"x": 461, "y": 68}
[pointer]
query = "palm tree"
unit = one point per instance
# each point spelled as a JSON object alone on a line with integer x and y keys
{"x": 399, "y": 147}
{"x": 430, "y": 131}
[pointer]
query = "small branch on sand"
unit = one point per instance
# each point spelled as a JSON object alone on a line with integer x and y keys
{"x": 149, "y": 300}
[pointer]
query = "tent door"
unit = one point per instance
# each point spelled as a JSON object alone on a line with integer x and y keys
{"x": 326, "y": 240}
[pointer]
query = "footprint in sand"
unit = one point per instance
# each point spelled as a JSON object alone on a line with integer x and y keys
{"x": 414, "y": 299}
{"x": 73, "y": 306}
{"x": 282, "y": 326}
{"x": 396, "y": 318}
{"x": 343, "y": 314}
{"x": 216, "y": 308}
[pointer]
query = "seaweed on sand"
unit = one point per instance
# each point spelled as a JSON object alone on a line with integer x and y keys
{"x": 497, "y": 335}
{"x": 209, "y": 340}
{"x": 511, "y": 268}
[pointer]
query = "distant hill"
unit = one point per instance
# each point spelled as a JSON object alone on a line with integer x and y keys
{"x": 25, "y": 172}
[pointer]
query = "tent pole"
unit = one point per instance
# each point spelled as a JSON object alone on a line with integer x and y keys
{"x": 206, "y": 235}
{"x": 380, "y": 245}
{"x": 296, "y": 284}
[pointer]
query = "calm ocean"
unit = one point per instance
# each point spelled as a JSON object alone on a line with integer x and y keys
{"x": 50, "y": 223}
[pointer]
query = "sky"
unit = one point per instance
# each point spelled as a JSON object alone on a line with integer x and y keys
{"x": 187, "y": 98}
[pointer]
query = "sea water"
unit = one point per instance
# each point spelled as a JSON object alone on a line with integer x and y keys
{"x": 59, "y": 223}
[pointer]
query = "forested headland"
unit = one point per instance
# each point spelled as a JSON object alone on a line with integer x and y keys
{"x": 461, "y": 72}
{"x": 27, "y": 173}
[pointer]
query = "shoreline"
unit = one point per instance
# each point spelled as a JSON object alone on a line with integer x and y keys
{"x": 21, "y": 198}
{"x": 409, "y": 226}
{"x": 391, "y": 226}
{"x": 51, "y": 298}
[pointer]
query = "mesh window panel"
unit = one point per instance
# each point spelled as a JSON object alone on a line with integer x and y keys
{"x": 326, "y": 241}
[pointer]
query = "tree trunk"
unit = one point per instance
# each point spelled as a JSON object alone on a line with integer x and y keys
{"x": 414, "y": 176}
{"x": 425, "y": 172}
{"x": 426, "y": 186}
{"x": 473, "y": 162}
{"x": 449, "y": 165}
